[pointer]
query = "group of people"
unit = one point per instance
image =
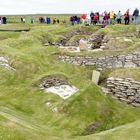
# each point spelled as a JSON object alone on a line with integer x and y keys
{"x": 48, "y": 20}
{"x": 111, "y": 17}
{"x": 92, "y": 18}
{"x": 75, "y": 20}
{"x": 108, "y": 18}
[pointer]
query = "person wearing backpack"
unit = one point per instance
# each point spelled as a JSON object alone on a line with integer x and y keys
{"x": 135, "y": 15}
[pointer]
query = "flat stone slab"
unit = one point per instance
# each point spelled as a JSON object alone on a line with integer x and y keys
{"x": 95, "y": 76}
{"x": 70, "y": 49}
{"x": 64, "y": 91}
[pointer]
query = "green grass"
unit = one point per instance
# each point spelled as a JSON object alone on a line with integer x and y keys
{"x": 127, "y": 73}
{"x": 23, "y": 112}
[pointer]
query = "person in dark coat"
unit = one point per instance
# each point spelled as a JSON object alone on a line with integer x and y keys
{"x": 91, "y": 17}
{"x": 4, "y": 19}
{"x": 58, "y": 21}
{"x": 72, "y": 20}
{"x": 98, "y": 17}
{"x": 135, "y": 16}
{"x": 78, "y": 20}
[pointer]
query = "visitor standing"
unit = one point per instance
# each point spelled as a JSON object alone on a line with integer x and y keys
{"x": 119, "y": 17}
{"x": 91, "y": 17}
{"x": 135, "y": 16}
{"x": 127, "y": 17}
{"x": 31, "y": 19}
{"x": 111, "y": 15}
{"x": 83, "y": 18}
{"x": 106, "y": 18}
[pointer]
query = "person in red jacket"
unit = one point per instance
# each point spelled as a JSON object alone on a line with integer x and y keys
{"x": 127, "y": 17}
{"x": 83, "y": 17}
{"x": 95, "y": 18}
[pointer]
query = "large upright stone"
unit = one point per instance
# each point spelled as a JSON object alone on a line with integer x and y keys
{"x": 95, "y": 76}
{"x": 83, "y": 45}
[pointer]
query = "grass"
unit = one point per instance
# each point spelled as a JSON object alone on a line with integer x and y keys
{"x": 127, "y": 73}
{"x": 23, "y": 111}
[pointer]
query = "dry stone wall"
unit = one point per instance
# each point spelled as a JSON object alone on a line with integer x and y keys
{"x": 125, "y": 89}
{"x": 115, "y": 61}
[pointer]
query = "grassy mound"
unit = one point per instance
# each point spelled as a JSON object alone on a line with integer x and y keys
{"x": 23, "y": 111}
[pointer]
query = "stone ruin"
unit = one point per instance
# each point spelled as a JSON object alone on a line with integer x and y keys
{"x": 93, "y": 42}
{"x": 77, "y": 40}
{"x": 58, "y": 84}
{"x": 124, "y": 89}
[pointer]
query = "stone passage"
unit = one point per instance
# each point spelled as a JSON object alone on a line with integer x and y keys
{"x": 126, "y": 90}
{"x": 105, "y": 62}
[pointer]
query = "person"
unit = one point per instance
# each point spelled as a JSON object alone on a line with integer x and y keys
{"x": 31, "y": 19}
{"x": 72, "y": 20}
{"x": 91, "y": 17}
{"x": 98, "y": 14}
{"x": 127, "y": 17}
{"x": 54, "y": 20}
{"x": 48, "y": 20}
{"x": 21, "y": 19}
{"x": 106, "y": 18}
{"x": 75, "y": 19}
{"x": 119, "y": 17}
{"x": 4, "y": 20}
{"x": 88, "y": 20}
{"x": 111, "y": 15}
{"x": 135, "y": 15}
{"x": 78, "y": 20}
{"x": 95, "y": 18}
{"x": 24, "y": 20}
{"x": 58, "y": 21}
{"x": 0, "y": 20}
{"x": 83, "y": 18}
{"x": 64, "y": 21}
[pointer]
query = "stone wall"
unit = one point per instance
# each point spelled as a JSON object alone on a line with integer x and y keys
{"x": 126, "y": 90}
{"x": 105, "y": 62}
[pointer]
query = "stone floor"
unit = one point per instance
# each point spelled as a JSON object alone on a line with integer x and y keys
{"x": 64, "y": 91}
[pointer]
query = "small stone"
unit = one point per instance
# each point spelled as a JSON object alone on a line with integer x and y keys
{"x": 127, "y": 40}
{"x": 55, "y": 110}
{"x": 46, "y": 44}
{"x": 103, "y": 47}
